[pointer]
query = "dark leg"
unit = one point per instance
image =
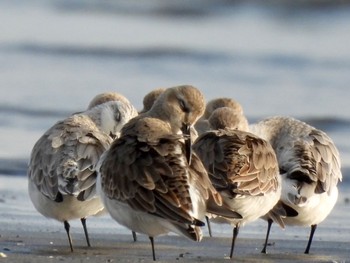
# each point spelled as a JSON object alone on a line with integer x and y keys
{"x": 312, "y": 232}
{"x": 83, "y": 221}
{"x": 209, "y": 227}
{"x": 134, "y": 236}
{"x": 153, "y": 253}
{"x": 269, "y": 223}
{"x": 235, "y": 234}
{"x": 66, "y": 227}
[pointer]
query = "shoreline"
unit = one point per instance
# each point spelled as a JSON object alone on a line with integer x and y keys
{"x": 41, "y": 247}
{"x": 27, "y": 236}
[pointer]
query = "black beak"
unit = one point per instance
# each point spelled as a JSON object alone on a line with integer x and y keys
{"x": 113, "y": 136}
{"x": 186, "y": 130}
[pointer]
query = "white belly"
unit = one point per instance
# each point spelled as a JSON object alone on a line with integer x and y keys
{"x": 250, "y": 208}
{"x": 70, "y": 208}
{"x": 314, "y": 211}
{"x": 140, "y": 222}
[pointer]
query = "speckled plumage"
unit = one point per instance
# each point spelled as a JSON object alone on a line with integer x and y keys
{"x": 242, "y": 167}
{"x": 309, "y": 164}
{"x": 151, "y": 181}
{"x": 62, "y": 167}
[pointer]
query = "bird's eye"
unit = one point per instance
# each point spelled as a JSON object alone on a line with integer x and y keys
{"x": 183, "y": 106}
{"x": 117, "y": 116}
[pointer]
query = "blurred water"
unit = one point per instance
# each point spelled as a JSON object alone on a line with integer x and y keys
{"x": 289, "y": 58}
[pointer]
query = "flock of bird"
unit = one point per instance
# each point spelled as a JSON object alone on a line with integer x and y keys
{"x": 181, "y": 163}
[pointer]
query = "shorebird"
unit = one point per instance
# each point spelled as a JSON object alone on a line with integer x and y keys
{"x": 216, "y": 103}
{"x": 150, "y": 98}
{"x": 202, "y": 125}
{"x": 109, "y": 96}
{"x": 242, "y": 167}
{"x": 62, "y": 167}
{"x": 234, "y": 120}
{"x": 151, "y": 181}
{"x": 309, "y": 165}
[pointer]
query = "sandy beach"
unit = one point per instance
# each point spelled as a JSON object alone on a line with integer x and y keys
{"x": 288, "y": 58}
{"x": 26, "y": 236}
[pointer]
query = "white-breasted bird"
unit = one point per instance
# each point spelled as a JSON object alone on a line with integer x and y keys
{"x": 242, "y": 167}
{"x": 62, "y": 167}
{"x": 151, "y": 181}
{"x": 309, "y": 165}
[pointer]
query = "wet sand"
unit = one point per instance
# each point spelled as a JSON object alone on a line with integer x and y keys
{"x": 26, "y": 236}
{"x": 44, "y": 247}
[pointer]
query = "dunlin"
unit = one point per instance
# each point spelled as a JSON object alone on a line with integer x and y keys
{"x": 106, "y": 97}
{"x": 151, "y": 181}
{"x": 202, "y": 125}
{"x": 150, "y": 98}
{"x": 62, "y": 168}
{"x": 309, "y": 164}
{"x": 242, "y": 167}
